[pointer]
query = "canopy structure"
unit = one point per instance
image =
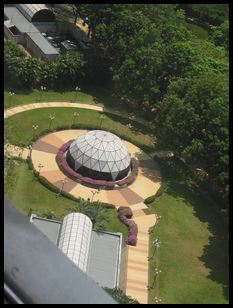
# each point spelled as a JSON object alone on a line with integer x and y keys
{"x": 75, "y": 237}
{"x": 99, "y": 155}
{"x": 36, "y": 12}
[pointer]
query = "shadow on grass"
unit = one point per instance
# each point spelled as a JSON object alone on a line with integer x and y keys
{"x": 216, "y": 254}
{"x": 149, "y": 168}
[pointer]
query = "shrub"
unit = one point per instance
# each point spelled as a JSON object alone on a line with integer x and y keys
{"x": 132, "y": 230}
{"x": 160, "y": 191}
{"x": 149, "y": 199}
{"x": 125, "y": 211}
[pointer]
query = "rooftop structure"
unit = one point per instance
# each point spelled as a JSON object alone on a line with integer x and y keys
{"x": 36, "y": 12}
{"x": 98, "y": 254}
{"x": 99, "y": 155}
{"x": 19, "y": 28}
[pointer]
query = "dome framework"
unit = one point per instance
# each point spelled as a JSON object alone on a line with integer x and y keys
{"x": 99, "y": 155}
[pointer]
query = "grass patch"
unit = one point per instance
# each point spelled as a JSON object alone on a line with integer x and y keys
{"x": 20, "y": 130}
{"x": 90, "y": 95}
{"x": 199, "y": 32}
{"x": 193, "y": 254}
{"x": 28, "y": 193}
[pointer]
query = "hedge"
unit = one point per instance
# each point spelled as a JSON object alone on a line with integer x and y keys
{"x": 132, "y": 230}
{"x": 125, "y": 211}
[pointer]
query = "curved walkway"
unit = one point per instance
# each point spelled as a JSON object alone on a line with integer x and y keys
{"x": 12, "y": 111}
{"x": 148, "y": 181}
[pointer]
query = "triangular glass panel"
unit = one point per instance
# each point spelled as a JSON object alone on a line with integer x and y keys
{"x": 85, "y": 159}
{"x": 106, "y": 168}
{"x": 93, "y": 162}
{"x": 110, "y": 164}
{"x": 115, "y": 167}
{"x": 88, "y": 163}
{"x": 114, "y": 175}
{"x": 77, "y": 165}
{"x": 107, "y": 155}
{"x": 102, "y": 165}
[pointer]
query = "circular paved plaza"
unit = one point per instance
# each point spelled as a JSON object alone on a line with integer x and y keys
{"x": 146, "y": 184}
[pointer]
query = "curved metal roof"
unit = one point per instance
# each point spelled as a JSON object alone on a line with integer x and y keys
{"x": 75, "y": 238}
{"x": 100, "y": 151}
{"x": 30, "y": 10}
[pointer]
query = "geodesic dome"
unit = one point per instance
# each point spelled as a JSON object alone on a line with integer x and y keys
{"x": 99, "y": 155}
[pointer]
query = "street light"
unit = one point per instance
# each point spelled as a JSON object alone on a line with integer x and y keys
{"x": 34, "y": 130}
{"x": 51, "y": 119}
{"x": 42, "y": 89}
{"x": 11, "y": 96}
{"x": 76, "y": 93}
{"x": 30, "y": 150}
{"x": 75, "y": 115}
{"x": 156, "y": 242}
{"x": 40, "y": 166}
{"x": 64, "y": 181}
{"x": 94, "y": 193}
{"x": 129, "y": 126}
{"x": 157, "y": 300}
{"x": 102, "y": 117}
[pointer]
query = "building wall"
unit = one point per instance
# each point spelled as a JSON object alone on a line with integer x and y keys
{"x": 45, "y": 26}
{"x": 33, "y": 48}
{"x": 14, "y": 38}
{"x": 123, "y": 268}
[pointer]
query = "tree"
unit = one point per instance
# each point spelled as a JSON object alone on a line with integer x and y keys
{"x": 120, "y": 296}
{"x": 214, "y": 14}
{"x": 220, "y": 35}
{"x": 192, "y": 121}
{"x": 69, "y": 68}
{"x": 95, "y": 211}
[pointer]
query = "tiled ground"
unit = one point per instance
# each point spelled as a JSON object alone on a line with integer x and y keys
{"x": 146, "y": 184}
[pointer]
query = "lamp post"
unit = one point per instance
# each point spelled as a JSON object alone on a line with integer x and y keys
{"x": 102, "y": 117}
{"x": 94, "y": 193}
{"x": 30, "y": 150}
{"x": 129, "y": 126}
{"x": 34, "y": 130}
{"x": 157, "y": 300}
{"x": 40, "y": 166}
{"x": 51, "y": 119}
{"x": 42, "y": 89}
{"x": 11, "y": 97}
{"x": 75, "y": 115}
{"x": 76, "y": 93}
{"x": 64, "y": 181}
{"x": 156, "y": 244}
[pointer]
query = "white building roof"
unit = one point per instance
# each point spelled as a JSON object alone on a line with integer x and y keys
{"x": 100, "y": 151}
{"x": 75, "y": 237}
{"x": 29, "y": 10}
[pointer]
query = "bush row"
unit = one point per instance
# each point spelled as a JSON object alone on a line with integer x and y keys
{"x": 132, "y": 230}
{"x": 125, "y": 211}
{"x": 159, "y": 193}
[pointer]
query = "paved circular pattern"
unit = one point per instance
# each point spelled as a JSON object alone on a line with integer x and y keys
{"x": 147, "y": 182}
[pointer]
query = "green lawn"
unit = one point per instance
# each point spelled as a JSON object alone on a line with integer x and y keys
{"x": 198, "y": 31}
{"x": 19, "y": 126}
{"x": 90, "y": 95}
{"x": 27, "y": 192}
{"x": 193, "y": 255}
